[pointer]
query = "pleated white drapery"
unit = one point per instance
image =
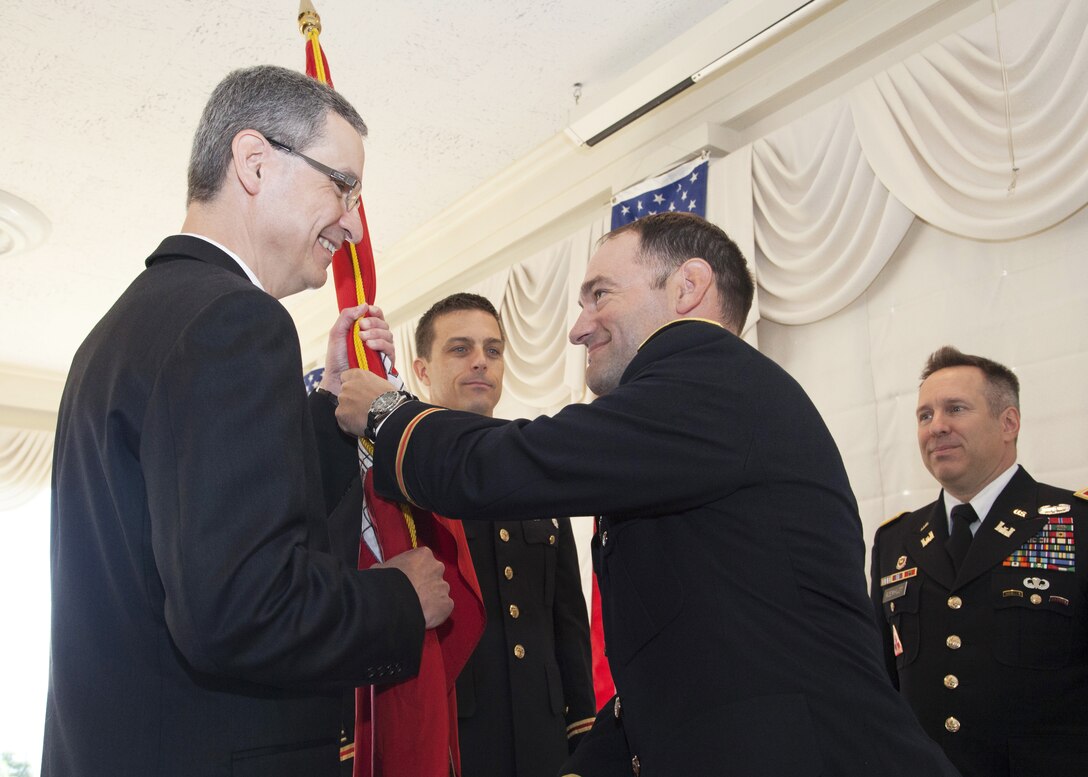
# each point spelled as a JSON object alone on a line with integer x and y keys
{"x": 824, "y": 225}
{"x": 25, "y": 459}
{"x": 934, "y": 128}
{"x": 835, "y": 192}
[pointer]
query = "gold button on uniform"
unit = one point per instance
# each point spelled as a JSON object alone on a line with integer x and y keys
{"x": 951, "y": 681}
{"x": 953, "y": 642}
{"x": 951, "y": 725}
{"x": 604, "y": 538}
{"x": 504, "y": 535}
{"x": 617, "y": 708}
{"x": 954, "y": 602}
{"x": 519, "y": 651}
{"x": 1036, "y": 599}
{"x": 514, "y": 611}
{"x": 508, "y": 573}
{"x": 551, "y": 539}
{"x": 636, "y": 766}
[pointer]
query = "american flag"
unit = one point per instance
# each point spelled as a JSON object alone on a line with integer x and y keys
{"x": 681, "y": 189}
{"x": 312, "y": 379}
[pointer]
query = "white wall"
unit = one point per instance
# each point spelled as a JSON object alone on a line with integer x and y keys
{"x": 1023, "y": 303}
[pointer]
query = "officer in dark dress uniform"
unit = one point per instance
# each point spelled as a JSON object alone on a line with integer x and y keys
{"x": 526, "y": 696}
{"x": 980, "y": 595}
{"x": 729, "y": 552}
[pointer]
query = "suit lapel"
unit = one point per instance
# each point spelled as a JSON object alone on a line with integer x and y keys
{"x": 1011, "y": 522}
{"x": 926, "y": 534}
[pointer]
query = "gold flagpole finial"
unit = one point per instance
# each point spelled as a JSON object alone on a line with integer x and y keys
{"x": 308, "y": 20}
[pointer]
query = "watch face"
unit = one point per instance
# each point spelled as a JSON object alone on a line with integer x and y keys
{"x": 385, "y": 402}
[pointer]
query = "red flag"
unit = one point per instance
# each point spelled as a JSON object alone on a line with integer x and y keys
{"x": 409, "y": 727}
{"x": 603, "y": 686}
{"x": 353, "y": 271}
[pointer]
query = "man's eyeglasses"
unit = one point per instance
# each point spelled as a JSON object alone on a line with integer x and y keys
{"x": 349, "y": 185}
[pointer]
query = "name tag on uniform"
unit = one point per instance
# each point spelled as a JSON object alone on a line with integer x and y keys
{"x": 896, "y": 591}
{"x": 895, "y": 578}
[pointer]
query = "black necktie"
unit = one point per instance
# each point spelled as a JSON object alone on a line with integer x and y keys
{"x": 960, "y": 539}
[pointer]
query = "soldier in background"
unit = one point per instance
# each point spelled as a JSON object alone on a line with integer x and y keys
{"x": 979, "y": 595}
{"x": 526, "y": 695}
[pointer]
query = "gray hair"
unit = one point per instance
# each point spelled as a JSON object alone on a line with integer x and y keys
{"x": 281, "y": 104}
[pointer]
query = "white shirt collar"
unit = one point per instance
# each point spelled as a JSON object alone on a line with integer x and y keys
{"x": 232, "y": 255}
{"x": 984, "y": 499}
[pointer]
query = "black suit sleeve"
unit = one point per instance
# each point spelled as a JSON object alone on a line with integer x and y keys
{"x": 337, "y": 452}
{"x": 483, "y": 468}
{"x": 603, "y": 752}
{"x": 228, "y": 453}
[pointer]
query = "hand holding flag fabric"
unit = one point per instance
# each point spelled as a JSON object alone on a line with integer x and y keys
{"x": 374, "y": 332}
{"x": 426, "y": 575}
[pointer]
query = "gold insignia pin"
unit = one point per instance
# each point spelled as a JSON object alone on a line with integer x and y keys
{"x": 901, "y": 562}
{"x": 927, "y": 539}
{"x": 1002, "y": 529}
{"x": 1020, "y": 513}
{"x": 1054, "y": 509}
{"x": 924, "y": 526}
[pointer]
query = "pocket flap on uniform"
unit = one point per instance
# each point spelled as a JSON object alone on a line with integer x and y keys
{"x": 1035, "y": 589}
{"x": 540, "y": 532}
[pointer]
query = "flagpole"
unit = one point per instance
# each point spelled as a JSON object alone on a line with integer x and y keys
{"x": 309, "y": 24}
{"x": 308, "y": 20}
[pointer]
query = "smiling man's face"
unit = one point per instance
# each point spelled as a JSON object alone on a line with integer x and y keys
{"x": 964, "y": 444}
{"x": 621, "y": 307}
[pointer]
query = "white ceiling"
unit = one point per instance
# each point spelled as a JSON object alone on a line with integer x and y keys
{"x": 468, "y": 169}
{"x": 99, "y": 100}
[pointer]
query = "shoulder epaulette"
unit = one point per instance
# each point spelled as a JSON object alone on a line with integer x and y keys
{"x": 893, "y": 519}
{"x": 1082, "y": 494}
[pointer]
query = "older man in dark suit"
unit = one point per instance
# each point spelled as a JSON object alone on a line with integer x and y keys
{"x": 199, "y": 624}
{"x": 729, "y": 548}
{"x": 980, "y": 595}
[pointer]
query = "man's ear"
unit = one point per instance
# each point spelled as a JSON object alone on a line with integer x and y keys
{"x": 249, "y": 152}
{"x": 419, "y": 367}
{"x": 1010, "y": 423}
{"x": 693, "y": 280}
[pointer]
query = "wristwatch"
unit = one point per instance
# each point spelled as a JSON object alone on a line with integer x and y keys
{"x": 381, "y": 407}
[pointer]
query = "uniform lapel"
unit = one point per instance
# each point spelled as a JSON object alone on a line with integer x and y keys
{"x": 926, "y": 534}
{"x": 1011, "y": 522}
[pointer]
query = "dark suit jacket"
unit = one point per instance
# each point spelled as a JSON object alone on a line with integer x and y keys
{"x": 516, "y": 709}
{"x": 1014, "y": 638}
{"x": 730, "y": 561}
{"x": 199, "y": 625}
